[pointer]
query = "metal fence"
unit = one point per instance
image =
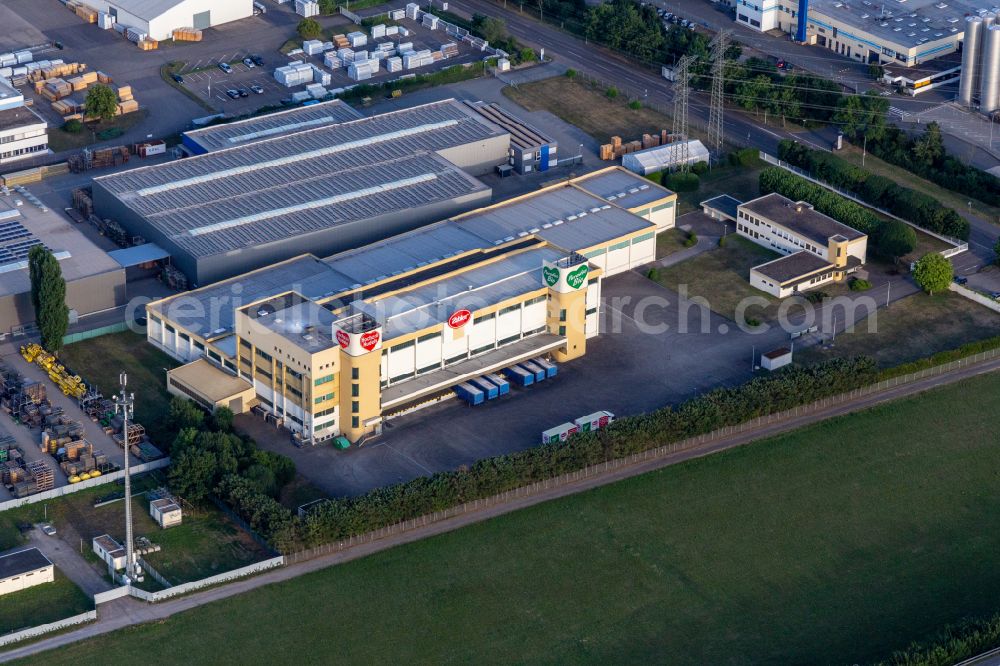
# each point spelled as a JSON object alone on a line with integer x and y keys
{"x": 690, "y": 444}
{"x": 120, "y": 327}
{"x": 227, "y": 576}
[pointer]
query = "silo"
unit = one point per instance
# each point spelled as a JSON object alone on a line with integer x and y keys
{"x": 989, "y": 18}
{"x": 970, "y": 59}
{"x": 989, "y": 91}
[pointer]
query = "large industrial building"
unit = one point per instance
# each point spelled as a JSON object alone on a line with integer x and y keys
{"x": 336, "y": 346}
{"x": 268, "y": 126}
{"x": 23, "y": 132}
{"x": 159, "y": 18}
{"x": 319, "y": 190}
{"x": 902, "y": 33}
{"x": 94, "y": 281}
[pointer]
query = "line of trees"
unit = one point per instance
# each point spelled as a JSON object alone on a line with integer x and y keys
{"x": 775, "y": 179}
{"x": 344, "y": 517}
{"x": 917, "y": 207}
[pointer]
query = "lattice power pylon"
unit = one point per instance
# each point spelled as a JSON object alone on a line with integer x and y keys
{"x": 716, "y": 107}
{"x": 682, "y": 93}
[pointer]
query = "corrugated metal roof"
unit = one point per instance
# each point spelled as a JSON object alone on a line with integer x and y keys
{"x": 147, "y": 9}
{"x": 139, "y": 254}
{"x": 624, "y": 188}
{"x": 273, "y": 125}
{"x": 303, "y": 179}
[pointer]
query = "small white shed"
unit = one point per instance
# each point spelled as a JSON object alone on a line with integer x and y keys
{"x": 165, "y": 512}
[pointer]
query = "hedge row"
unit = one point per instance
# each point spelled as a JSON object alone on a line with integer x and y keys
{"x": 921, "y": 209}
{"x": 786, "y": 183}
{"x": 966, "y": 350}
{"x": 954, "y": 644}
{"x": 341, "y": 518}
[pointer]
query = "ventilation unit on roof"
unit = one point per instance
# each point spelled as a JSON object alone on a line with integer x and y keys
{"x": 533, "y": 230}
{"x": 582, "y": 213}
{"x": 897, "y": 29}
{"x": 557, "y": 223}
{"x": 884, "y": 25}
{"x": 612, "y": 197}
{"x": 547, "y": 225}
{"x": 522, "y": 234}
{"x": 864, "y": 16}
{"x": 571, "y": 217}
{"x": 644, "y": 187}
{"x": 355, "y": 286}
{"x": 498, "y": 242}
{"x": 621, "y": 194}
{"x": 508, "y": 239}
{"x": 911, "y": 34}
{"x": 605, "y": 207}
{"x": 595, "y": 209}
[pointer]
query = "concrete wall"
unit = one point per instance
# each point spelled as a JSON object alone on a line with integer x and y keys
{"x": 89, "y": 483}
{"x": 7, "y": 639}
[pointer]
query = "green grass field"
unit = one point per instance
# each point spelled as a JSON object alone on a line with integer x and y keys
{"x": 100, "y": 360}
{"x": 42, "y": 604}
{"x": 835, "y": 544}
{"x": 913, "y": 328}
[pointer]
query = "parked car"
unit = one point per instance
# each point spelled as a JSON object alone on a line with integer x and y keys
{"x": 249, "y": 63}
{"x": 995, "y": 295}
{"x": 243, "y": 92}
{"x": 233, "y": 94}
{"x": 257, "y": 89}
{"x": 960, "y": 279}
{"x": 177, "y": 77}
{"x": 47, "y": 529}
{"x": 257, "y": 60}
{"x": 224, "y": 66}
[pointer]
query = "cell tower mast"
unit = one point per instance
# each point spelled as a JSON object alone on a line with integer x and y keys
{"x": 124, "y": 405}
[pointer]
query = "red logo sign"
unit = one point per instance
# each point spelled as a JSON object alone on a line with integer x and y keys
{"x": 343, "y": 338}
{"x": 459, "y": 318}
{"x": 369, "y": 340}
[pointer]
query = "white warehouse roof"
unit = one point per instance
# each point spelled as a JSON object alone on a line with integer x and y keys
{"x": 663, "y": 157}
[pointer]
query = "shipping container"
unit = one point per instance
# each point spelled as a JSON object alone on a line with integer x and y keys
{"x": 502, "y": 384}
{"x": 559, "y": 434}
{"x": 470, "y": 394}
{"x": 489, "y": 388}
{"x": 550, "y": 368}
{"x": 537, "y": 370}
{"x": 594, "y": 421}
{"x": 519, "y": 376}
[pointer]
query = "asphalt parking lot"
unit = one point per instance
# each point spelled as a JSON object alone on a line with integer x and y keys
{"x": 625, "y": 370}
{"x": 204, "y": 78}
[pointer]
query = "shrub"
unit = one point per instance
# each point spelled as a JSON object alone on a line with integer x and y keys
{"x": 746, "y": 157}
{"x": 73, "y": 126}
{"x": 893, "y": 239}
{"x": 933, "y": 272}
{"x": 752, "y": 322}
{"x": 611, "y": 93}
{"x": 570, "y": 73}
{"x": 816, "y": 296}
{"x": 722, "y": 241}
{"x": 691, "y": 240}
{"x": 857, "y": 284}
{"x": 527, "y": 54}
{"x": 309, "y": 28}
{"x": 699, "y": 168}
{"x": 635, "y": 105}
{"x": 682, "y": 181}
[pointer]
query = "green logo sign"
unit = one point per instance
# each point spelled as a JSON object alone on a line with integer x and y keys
{"x": 576, "y": 276}
{"x": 551, "y": 275}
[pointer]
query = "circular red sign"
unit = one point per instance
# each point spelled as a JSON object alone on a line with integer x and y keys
{"x": 459, "y": 318}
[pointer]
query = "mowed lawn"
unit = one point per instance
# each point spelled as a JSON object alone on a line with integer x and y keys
{"x": 100, "y": 360}
{"x": 912, "y": 328}
{"x": 42, "y": 604}
{"x": 835, "y": 544}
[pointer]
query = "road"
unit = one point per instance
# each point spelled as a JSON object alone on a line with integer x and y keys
{"x": 126, "y": 612}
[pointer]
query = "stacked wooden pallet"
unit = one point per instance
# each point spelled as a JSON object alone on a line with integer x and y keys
{"x": 187, "y": 35}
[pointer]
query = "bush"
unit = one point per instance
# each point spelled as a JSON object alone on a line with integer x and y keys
{"x": 774, "y": 179}
{"x": 933, "y": 272}
{"x": 722, "y": 241}
{"x": 309, "y": 28}
{"x": 611, "y": 93}
{"x": 635, "y": 105}
{"x": 653, "y": 274}
{"x": 894, "y": 239}
{"x": 857, "y": 284}
{"x": 816, "y": 296}
{"x": 527, "y": 54}
{"x": 752, "y": 322}
{"x": 746, "y": 157}
{"x": 691, "y": 240}
{"x": 570, "y": 73}
{"x": 699, "y": 168}
{"x": 73, "y": 126}
{"x": 681, "y": 181}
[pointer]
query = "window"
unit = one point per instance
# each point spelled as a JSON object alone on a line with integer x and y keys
{"x": 295, "y": 392}
{"x": 325, "y": 412}
{"x": 485, "y": 317}
{"x": 510, "y": 308}
{"x": 401, "y": 347}
{"x": 643, "y": 238}
{"x": 244, "y": 344}
{"x": 212, "y": 355}
{"x": 428, "y": 337}
{"x": 264, "y": 355}
{"x": 170, "y": 329}
{"x": 296, "y": 375}
{"x": 591, "y": 311}
{"x": 355, "y": 390}
{"x": 355, "y": 373}
{"x": 429, "y": 368}
{"x": 657, "y": 209}
{"x": 201, "y": 347}
{"x": 323, "y": 380}
{"x": 155, "y": 318}
{"x": 594, "y": 253}
{"x": 508, "y": 340}
{"x": 536, "y": 299}
{"x": 562, "y": 330}
{"x": 263, "y": 373}
{"x": 455, "y": 359}
{"x": 355, "y": 406}
{"x": 323, "y": 398}
{"x": 355, "y": 421}
{"x": 482, "y": 349}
